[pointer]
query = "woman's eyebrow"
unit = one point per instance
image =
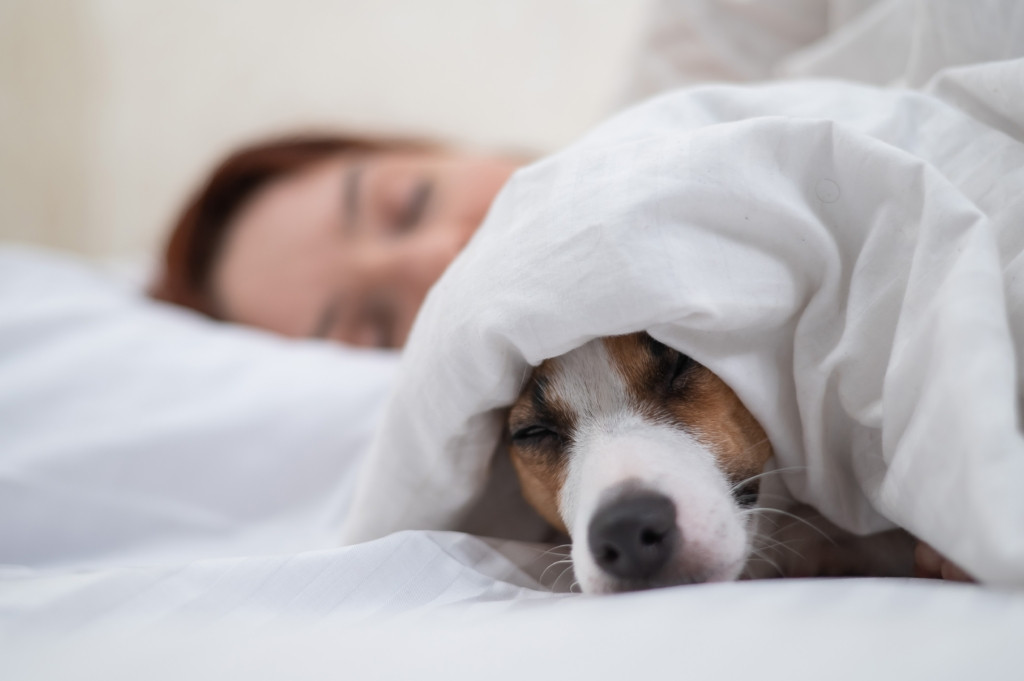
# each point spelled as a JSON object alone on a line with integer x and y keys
{"x": 353, "y": 178}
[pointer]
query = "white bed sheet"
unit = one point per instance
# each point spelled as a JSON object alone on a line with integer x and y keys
{"x": 134, "y": 431}
{"x": 451, "y": 606}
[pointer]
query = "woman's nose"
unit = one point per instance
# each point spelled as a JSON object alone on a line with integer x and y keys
{"x": 401, "y": 274}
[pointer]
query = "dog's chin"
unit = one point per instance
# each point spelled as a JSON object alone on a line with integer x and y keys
{"x": 593, "y": 580}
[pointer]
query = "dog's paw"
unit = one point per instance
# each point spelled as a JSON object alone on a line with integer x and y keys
{"x": 930, "y": 564}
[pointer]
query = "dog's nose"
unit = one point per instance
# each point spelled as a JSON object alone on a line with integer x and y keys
{"x": 633, "y": 537}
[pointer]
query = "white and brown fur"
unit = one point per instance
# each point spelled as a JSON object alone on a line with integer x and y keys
{"x": 652, "y": 465}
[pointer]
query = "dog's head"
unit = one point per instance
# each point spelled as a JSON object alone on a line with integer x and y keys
{"x": 646, "y": 458}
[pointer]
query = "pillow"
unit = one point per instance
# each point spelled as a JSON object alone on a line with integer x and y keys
{"x": 133, "y": 430}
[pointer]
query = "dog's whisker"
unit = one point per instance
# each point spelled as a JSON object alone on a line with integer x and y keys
{"x": 798, "y": 519}
{"x": 785, "y": 499}
{"x": 763, "y": 474}
{"x": 776, "y": 544}
{"x": 754, "y": 445}
{"x": 567, "y": 571}
{"x": 760, "y": 555}
{"x": 748, "y": 570}
{"x": 763, "y": 545}
{"x": 553, "y": 565}
{"x": 561, "y": 550}
{"x": 758, "y": 515}
{"x": 566, "y": 562}
{"x": 764, "y": 541}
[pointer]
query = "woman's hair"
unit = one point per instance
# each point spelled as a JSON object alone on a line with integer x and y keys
{"x": 200, "y": 230}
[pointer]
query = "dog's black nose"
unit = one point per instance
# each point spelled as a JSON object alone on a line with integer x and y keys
{"x": 633, "y": 537}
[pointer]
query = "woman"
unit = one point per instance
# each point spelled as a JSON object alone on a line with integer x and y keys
{"x": 327, "y": 236}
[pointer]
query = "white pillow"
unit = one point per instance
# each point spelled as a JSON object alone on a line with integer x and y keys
{"x": 133, "y": 430}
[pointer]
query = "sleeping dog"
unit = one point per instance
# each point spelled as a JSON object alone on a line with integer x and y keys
{"x": 652, "y": 465}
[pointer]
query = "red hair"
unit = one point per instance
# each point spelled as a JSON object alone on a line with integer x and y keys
{"x": 200, "y": 230}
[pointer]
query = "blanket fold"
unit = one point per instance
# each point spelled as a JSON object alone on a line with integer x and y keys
{"x": 846, "y": 258}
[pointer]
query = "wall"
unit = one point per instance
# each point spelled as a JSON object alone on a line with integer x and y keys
{"x": 111, "y": 109}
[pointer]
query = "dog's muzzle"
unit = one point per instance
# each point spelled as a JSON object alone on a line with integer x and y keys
{"x": 633, "y": 537}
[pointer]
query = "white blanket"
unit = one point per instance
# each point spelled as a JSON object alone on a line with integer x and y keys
{"x": 846, "y": 258}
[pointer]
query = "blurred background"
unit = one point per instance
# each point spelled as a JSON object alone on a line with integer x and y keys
{"x": 112, "y": 110}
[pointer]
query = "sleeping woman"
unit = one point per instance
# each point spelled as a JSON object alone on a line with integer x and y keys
{"x": 327, "y": 236}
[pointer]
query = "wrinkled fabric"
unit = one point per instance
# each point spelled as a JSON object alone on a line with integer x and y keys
{"x": 132, "y": 431}
{"x": 844, "y": 257}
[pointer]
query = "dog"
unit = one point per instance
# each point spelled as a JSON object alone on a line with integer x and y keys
{"x": 653, "y": 466}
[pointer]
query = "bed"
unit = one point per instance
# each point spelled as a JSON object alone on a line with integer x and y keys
{"x": 176, "y": 495}
{"x": 193, "y": 532}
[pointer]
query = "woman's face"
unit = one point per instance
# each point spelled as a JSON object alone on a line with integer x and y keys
{"x": 347, "y": 249}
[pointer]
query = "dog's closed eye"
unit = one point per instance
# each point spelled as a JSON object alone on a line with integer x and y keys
{"x": 746, "y": 495}
{"x": 534, "y": 433}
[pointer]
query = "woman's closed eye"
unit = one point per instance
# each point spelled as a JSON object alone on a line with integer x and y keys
{"x": 415, "y": 207}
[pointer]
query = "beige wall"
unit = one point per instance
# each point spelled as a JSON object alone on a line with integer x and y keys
{"x": 110, "y": 109}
